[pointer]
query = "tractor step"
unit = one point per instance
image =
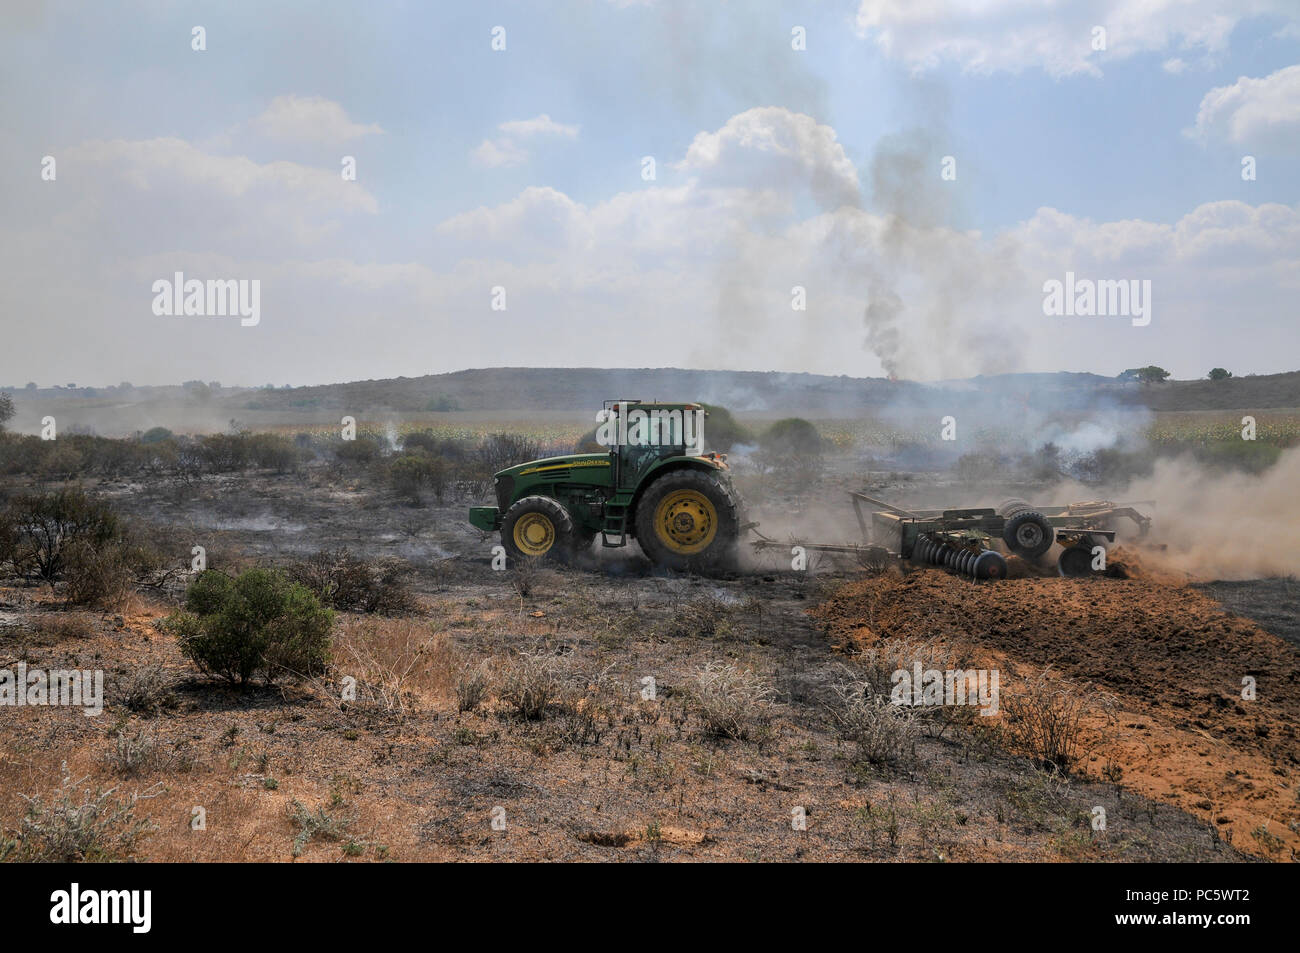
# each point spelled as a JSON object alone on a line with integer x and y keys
{"x": 615, "y": 525}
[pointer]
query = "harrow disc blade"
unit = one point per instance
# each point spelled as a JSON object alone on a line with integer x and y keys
{"x": 989, "y": 565}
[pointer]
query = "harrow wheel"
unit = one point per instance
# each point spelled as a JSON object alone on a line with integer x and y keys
{"x": 1010, "y": 508}
{"x": 1075, "y": 562}
{"x": 1029, "y": 534}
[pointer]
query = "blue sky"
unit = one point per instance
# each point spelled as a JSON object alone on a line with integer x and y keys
{"x": 222, "y": 163}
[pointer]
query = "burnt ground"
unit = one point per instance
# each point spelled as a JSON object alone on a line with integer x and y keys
{"x": 708, "y": 769}
{"x": 1269, "y": 602}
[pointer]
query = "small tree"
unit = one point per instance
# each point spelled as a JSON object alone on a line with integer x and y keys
{"x": 40, "y": 530}
{"x": 1219, "y": 374}
{"x": 6, "y": 409}
{"x": 1151, "y": 374}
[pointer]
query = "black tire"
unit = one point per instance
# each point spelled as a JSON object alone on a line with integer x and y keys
{"x": 1029, "y": 534}
{"x": 1010, "y": 508}
{"x": 719, "y": 543}
{"x": 564, "y": 536}
{"x": 1075, "y": 562}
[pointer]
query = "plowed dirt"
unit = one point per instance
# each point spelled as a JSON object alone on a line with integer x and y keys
{"x": 1172, "y": 658}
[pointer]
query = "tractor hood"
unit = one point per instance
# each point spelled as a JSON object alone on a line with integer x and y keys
{"x": 550, "y": 464}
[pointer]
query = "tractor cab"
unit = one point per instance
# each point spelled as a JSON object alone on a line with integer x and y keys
{"x": 639, "y": 434}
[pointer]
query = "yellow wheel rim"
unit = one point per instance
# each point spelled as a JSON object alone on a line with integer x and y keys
{"x": 534, "y": 534}
{"x": 686, "y": 521}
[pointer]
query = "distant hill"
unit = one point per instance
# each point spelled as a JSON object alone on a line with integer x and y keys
{"x": 124, "y": 409}
{"x": 582, "y": 388}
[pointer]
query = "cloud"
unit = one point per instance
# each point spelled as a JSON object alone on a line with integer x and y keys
{"x": 703, "y": 266}
{"x": 770, "y": 147}
{"x": 542, "y": 125}
{"x": 1262, "y": 114}
{"x": 499, "y": 153}
{"x": 162, "y": 163}
{"x": 1015, "y": 35}
{"x": 508, "y": 149}
{"x": 310, "y": 119}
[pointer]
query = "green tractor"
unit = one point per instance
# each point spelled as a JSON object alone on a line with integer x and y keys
{"x": 653, "y": 484}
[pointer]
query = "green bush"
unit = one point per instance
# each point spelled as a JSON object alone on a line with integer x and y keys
{"x": 362, "y": 450}
{"x": 792, "y": 438}
{"x": 411, "y": 474}
{"x": 257, "y": 624}
{"x": 722, "y": 431}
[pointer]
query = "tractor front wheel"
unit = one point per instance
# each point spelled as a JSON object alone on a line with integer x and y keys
{"x": 538, "y": 527}
{"x": 687, "y": 519}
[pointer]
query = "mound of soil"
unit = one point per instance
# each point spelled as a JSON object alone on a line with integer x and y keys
{"x": 1172, "y": 657}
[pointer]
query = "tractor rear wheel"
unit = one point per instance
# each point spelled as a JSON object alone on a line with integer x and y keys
{"x": 687, "y": 519}
{"x": 538, "y": 527}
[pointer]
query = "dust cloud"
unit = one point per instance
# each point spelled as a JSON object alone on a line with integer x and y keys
{"x": 1226, "y": 525}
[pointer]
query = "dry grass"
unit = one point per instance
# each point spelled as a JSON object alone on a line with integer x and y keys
{"x": 882, "y": 732}
{"x": 78, "y": 824}
{"x": 399, "y": 664}
{"x": 1044, "y": 718}
{"x": 731, "y": 701}
{"x": 529, "y": 682}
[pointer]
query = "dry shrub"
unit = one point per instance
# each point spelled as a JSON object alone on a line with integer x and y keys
{"x": 317, "y": 824}
{"x": 55, "y": 627}
{"x": 731, "y": 701}
{"x": 883, "y": 733}
{"x": 145, "y": 689}
{"x": 472, "y": 681}
{"x": 529, "y": 682}
{"x": 134, "y": 754}
{"x": 98, "y": 574}
{"x": 399, "y": 664}
{"x": 78, "y": 825}
{"x": 1043, "y": 719}
{"x": 883, "y": 659}
{"x": 527, "y": 574}
{"x": 346, "y": 581}
{"x": 705, "y": 617}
